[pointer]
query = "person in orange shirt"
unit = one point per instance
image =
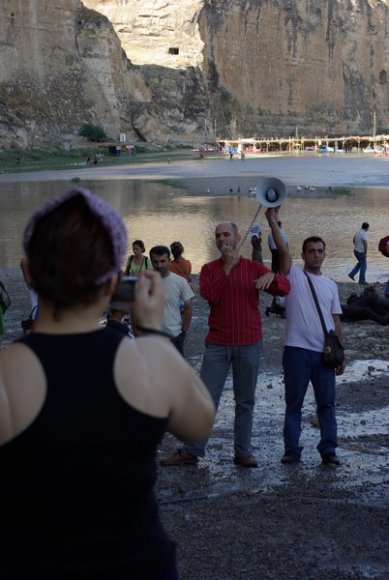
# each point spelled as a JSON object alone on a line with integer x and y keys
{"x": 180, "y": 265}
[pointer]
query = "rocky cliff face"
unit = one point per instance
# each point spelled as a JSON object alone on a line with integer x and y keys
{"x": 163, "y": 40}
{"x": 189, "y": 69}
{"x": 320, "y": 66}
{"x": 62, "y": 65}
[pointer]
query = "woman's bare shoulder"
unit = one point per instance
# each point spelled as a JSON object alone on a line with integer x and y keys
{"x": 22, "y": 389}
{"x": 17, "y": 360}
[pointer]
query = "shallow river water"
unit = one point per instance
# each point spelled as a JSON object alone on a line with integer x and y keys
{"x": 159, "y": 213}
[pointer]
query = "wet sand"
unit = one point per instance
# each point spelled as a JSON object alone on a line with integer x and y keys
{"x": 279, "y": 522}
{"x": 288, "y": 522}
{"x": 341, "y": 170}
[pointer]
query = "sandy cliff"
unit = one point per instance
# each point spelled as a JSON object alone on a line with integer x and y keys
{"x": 187, "y": 69}
{"x": 62, "y": 65}
{"x": 317, "y": 65}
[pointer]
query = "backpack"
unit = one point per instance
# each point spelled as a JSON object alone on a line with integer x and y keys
{"x": 383, "y": 246}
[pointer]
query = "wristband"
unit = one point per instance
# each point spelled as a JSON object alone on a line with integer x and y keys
{"x": 154, "y": 331}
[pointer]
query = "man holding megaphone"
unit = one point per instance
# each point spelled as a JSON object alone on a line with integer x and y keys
{"x": 231, "y": 286}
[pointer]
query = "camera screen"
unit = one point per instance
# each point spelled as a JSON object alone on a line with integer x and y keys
{"x": 125, "y": 293}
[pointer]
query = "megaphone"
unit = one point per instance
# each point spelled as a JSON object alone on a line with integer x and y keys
{"x": 270, "y": 192}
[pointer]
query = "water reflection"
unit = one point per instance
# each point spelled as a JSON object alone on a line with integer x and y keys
{"x": 159, "y": 213}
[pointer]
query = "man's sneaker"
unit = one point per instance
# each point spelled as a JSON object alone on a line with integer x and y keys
{"x": 179, "y": 457}
{"x": 290, "y": 457}
{"x": 352, "y": 277}
{"x": 330, "y": 459}
{"x": 245, "y": 461}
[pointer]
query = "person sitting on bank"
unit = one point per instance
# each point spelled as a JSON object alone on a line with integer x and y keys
{"x": 367, "y": 306}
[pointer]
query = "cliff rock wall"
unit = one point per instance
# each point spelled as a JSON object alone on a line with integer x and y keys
{"x": 62, "y": 65}
{"x": 190, "y": 70}
{"x": 163, "y": 40}
{"x": 317, "y": 65}
{"x": 260, "y": 67}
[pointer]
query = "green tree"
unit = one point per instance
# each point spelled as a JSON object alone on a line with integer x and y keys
{"x": 92, "y": 132}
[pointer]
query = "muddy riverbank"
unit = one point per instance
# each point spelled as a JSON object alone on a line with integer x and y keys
{"x": 279, "y": 522}
{"x": 297, "y": 522}
{"x": 272, "y": 523}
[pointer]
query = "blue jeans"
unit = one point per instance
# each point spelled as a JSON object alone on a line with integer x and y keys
{"x": 244, "y": 361}
{"x": 360, "y": 266}
{"x": 300, "y": 367}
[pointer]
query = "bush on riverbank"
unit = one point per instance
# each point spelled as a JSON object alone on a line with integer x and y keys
{"x": 37, "y": 159}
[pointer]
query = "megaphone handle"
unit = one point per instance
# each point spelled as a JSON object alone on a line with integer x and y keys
{"x": 250, "y": 226}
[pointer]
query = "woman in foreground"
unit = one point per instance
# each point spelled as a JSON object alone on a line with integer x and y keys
{"x": 83, "y": 409}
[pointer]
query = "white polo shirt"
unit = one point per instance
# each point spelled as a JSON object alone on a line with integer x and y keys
{"x": 303, "y": 327}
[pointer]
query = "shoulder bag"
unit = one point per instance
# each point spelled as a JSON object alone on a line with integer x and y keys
{"x": 333, "y": 354}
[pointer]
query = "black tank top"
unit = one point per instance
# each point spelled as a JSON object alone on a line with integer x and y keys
{"x": 76, "y": 487}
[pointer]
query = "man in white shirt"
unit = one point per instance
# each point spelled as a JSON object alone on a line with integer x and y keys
{"x": 304, "y": 345}
{"x": 177, "y": 315}
{"x": 360, "y": 252}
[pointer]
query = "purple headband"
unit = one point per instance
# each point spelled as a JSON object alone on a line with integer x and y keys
{"x": 110, "y": 219}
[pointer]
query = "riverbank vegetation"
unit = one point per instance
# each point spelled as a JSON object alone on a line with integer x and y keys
{"x": 37, "y": 159}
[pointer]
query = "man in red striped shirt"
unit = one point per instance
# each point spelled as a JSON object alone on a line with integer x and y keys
{"x": 231, "y": 285}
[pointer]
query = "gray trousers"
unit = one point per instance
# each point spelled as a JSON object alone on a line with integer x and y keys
{"x": 244, "y": 362}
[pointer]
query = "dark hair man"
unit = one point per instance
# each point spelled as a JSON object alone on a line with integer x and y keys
{"x": 304, "y": 344}
{"x": 176, "y": 321}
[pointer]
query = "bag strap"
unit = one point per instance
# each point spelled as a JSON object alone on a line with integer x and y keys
{"x": 317, "y": 304}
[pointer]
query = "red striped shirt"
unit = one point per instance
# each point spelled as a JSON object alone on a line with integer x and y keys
{"x": 234, "y": 317}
